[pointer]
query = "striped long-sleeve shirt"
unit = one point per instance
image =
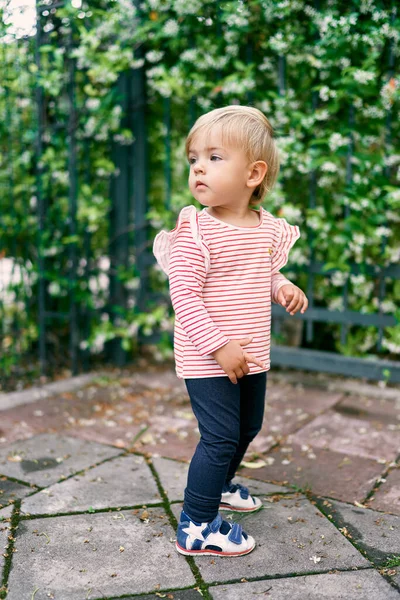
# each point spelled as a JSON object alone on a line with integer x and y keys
{"x": 222, "y": 280}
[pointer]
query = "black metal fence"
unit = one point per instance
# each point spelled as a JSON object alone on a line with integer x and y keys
{"x": 123, "y": 239}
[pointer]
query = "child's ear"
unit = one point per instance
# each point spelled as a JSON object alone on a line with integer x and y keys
{"x": 257, "y": 173}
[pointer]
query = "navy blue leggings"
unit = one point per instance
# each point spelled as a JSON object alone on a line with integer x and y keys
{"x": 229, "y": 416}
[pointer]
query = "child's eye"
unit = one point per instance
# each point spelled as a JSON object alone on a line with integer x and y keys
{"x": 215, "y": 156}
{"x": 191, "y": 160}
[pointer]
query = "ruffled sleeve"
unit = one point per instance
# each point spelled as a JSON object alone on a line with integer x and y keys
{"x": 164, "y": 240}
{"x": 285, "y": 236}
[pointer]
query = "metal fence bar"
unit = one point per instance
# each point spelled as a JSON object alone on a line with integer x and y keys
{"x": 281, "y": 88}
{"x": 119, "y": 220}
{"x": 140, "y": 173}
{"x": 345, "y": 317}
{"x": 312, "y": 204}
{"x": 388, "y": 136}
{"x": 167, "y": 169}
{"x": 349, "y": 177}
{"x": 333, "y": 362}
{"x": 310, "y": 238}
{"x": 72, "y": 201}
{"x": 40, "y": 199}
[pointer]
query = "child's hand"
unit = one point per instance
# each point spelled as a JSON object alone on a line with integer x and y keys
{"x": 233, "y": 360}
{"x": 292, "y": 298}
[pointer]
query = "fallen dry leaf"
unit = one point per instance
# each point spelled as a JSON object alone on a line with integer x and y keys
{"x": 316, "y": 559}
{"x": 254, "y": 465}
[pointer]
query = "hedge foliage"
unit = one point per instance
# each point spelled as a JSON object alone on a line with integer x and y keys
{"x": 324, "y": 74}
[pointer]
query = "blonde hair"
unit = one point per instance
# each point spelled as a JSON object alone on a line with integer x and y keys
{"x": 248, "y": 128}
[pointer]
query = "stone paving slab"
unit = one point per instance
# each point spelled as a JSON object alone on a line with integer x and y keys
{"x": 288, "y": 533}
{"x": 325, "y": 472}
{"x": 173, "y": 476}
{"x": 175, "y": 595}
{"x": 30, "y": 395}
{"x": 174, "y": 433}
{"x": 5, "y": 526}
{"x": 352, "y": 436}
{"x": 99, "y": 414}
{"x": 360, "y": 585}
{"x": 123, "y": 481}
{"x": 387, "y": 496}
{"x": 288, "y": 408}
{"x": 46, "y": 458}
{"x": 12, "y": 490}
{"x": 375, "y": 532}
{"x": 95, "y": 555}
{"x": 384, "y": 412}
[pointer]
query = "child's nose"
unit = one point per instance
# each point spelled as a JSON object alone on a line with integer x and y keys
{"x": 199, "y": 167}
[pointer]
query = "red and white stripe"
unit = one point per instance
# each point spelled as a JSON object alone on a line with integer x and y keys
{"x": 222, "y": 280}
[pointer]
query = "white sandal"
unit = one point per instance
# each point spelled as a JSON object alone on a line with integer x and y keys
{"x": 219, "y": 538}
{"x": 238, "y": 499}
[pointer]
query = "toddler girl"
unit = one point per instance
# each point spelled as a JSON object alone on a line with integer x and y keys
{"x": 223, "y": 265}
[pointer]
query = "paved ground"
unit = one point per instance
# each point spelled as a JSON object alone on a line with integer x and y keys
{"x": 92, "y": 479}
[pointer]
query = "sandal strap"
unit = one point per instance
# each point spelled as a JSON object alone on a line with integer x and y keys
{"x": 235, "y": 534}
{"x": 212, "y": 527}
{"x": 244, "y": 491}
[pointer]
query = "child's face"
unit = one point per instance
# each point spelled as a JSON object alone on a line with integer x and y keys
{"x": 218, "y": 174}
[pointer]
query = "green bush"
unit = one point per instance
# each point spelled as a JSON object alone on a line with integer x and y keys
{"x": 324, "y": 79}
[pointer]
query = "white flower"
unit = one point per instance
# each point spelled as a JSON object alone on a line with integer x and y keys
{"x": 189, "y": 55}
{"x": 329, "y": 166}
{"x": 171, "y": 28}
{"x": 182, "y": 7}
{"x": 132, "y": 329}
{"x": 322, "y": 115}
{"x": 98, "y": 343}
{"x": 363, "y": 76}
{"x": 344, "y": 62}
{"x": 153, "y": 4}
{"x": 338, "y": 278}
{"x": 93, "y": 103}
{"x": 368, "y": 342}
{"x": 378, "y": 15}
{"x": 316, "y": 559}
{"x": 360, "y": 239}
{"x": 394, "y": 348}
{"x": 234, "y": 19}
{"x": 337, "y": 141}
{"x": 382, "y": 231}
{"x": 357, "y": 279}
{"x": 325, "y": 93}
{"x": 279, "y": 44}
{"x": 325, "y": 182}
{"x": 291, "y": 213}
{"x": 391, "y": 215}
{"x": 155, "y": 72}
{"x": 298, "y": 257}
{"x": 373, "y": 112}
{"x": 393, "y": 160}
{"x": 388, "y": 306}
{"x": 232, "y": 50}
{"x": 154, "y": 56}
{"x": 394, "y": 254}
{"x": 54, "y": 288}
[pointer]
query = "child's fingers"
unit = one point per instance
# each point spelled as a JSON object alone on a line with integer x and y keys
{"x": 305, "y": 304}
{"x": 293, "y": 301}
{"x": 302, "y": 303}
{"x": 252, "y": 359}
